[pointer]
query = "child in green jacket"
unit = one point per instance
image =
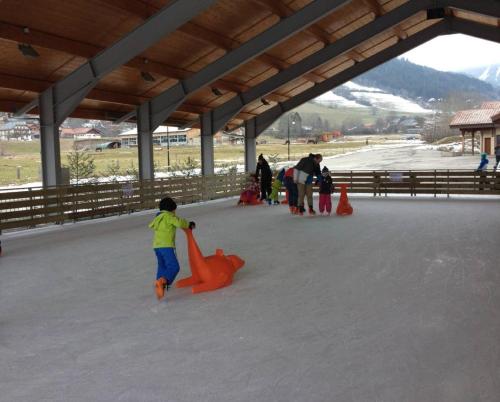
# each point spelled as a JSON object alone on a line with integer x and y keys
{"x": 165, "y": 225}
{"x": 276, "y": 187}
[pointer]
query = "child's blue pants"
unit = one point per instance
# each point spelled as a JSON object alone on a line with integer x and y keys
{"x": 168, "y": 266}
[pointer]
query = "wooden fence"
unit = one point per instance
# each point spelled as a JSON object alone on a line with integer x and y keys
{"x": 37, "y": 206}
{"x": 434, "y": 182}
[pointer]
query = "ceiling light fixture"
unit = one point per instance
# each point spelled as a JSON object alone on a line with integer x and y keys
{"x": 28, "y": 51}
{"x": 217, "y": 92}
{"x": 147, "y": 76}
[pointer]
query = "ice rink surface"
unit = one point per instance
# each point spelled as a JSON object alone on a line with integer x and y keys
{"x": 398, "y": 303}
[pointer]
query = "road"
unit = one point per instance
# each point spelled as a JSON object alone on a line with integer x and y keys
{"x": 399, "y": 156}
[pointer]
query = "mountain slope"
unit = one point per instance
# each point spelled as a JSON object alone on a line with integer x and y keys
{"x": 409, "y": 80}
{"x": 489, "y": 74}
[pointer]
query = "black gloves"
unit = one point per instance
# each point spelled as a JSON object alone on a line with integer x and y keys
{"x": 192, "y": 225}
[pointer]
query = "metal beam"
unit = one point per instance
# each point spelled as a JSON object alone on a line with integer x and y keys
{"x": 476, "y": 29}
{"x": 27, "y": 108}
{"x": 145, "y": 143}
{"x": 250, "y": 146}
{"x": 35, "y": 37}
{"x": 227, "y": 111}
{"x": 166, "y": 103}
{"x": 71, "y": 90}
{"x": 49, "y": 142}
{"x": 489, "y": 8}
{"x": 265, "y": 119}
{"x": 207, "y": 145}
{"x": 126, "y": 117}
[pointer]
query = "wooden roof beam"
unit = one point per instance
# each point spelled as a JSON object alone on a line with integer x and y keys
{"x": 38, "y": 86}
{"x": 282, "y": 10}
{"x": 165, "y": 103}
{"x": 263, "y": 120}
{"x": 46, "y": 40}
{"x": 215, "y": 39}
{"x": 378, "y": 10}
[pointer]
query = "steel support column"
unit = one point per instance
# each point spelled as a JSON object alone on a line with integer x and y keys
{"x": 250, "y": 146}
{"x": 49, "y": 141}
{"x": 61, "y": 99}
{"x": 145, "y": 143}
{"x": 207, "y": 145}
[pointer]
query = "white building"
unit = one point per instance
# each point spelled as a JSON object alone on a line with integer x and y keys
{"x": 162, "y": 136}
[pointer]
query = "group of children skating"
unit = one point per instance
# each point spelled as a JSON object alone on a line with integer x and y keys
{"x": 297, "y": 180}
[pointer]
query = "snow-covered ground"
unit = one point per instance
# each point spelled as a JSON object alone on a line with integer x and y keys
{"x": 375, "y": 97}
{"x": 331, "y": 98}
{"x": 398, "y": 302}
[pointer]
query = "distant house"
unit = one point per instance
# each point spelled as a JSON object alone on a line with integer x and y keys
{"x": 80, "y": 133}
{"x": 235, "y": 137}
{"x": 15, "y": 129}
{"x": 484, "y": 121}
{"x": 164, "y": 136}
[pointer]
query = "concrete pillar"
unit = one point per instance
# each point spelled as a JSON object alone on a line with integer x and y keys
{"x": 145, "y": 142}
{"x": 250, "y": 146}
{"x": 207, "y": 145}
{"x": 49, "y": 140}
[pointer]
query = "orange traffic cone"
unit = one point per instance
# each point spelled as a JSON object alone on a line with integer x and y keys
{"x": 208, "y": 273}
{"x": 285, "y": 201}
{"x": 344, "y": 208}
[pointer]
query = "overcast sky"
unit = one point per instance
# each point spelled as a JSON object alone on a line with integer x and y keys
{"x": 455, "y": 53}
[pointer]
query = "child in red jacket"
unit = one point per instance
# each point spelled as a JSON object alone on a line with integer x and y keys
{"x": 250, "y": 195}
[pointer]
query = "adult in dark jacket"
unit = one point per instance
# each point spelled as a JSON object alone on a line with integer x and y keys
{"x": 303, "y": 175}
{"x": 497, "y": 157}
{"x": 266, "y": 177}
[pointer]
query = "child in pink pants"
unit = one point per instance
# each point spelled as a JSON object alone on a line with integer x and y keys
{"x": 325, "y": 192}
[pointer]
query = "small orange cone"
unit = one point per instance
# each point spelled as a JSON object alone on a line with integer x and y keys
{"x": 208, "y": 273}
{"x": 344, "y": 208}
{"x": 285, "y": 201}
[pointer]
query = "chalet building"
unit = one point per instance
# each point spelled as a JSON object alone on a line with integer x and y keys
{"x": 79, "y": 133}
{"x": 483, "y": 122}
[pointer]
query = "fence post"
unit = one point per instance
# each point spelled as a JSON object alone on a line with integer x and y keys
{"x": 385, "y": 181}
{"x": 448, "y": 184}
{"x": 31, "y": 203}
{"x": 435, "y": 183}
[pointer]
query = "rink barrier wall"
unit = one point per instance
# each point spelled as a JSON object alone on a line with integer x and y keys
{"x": 30, "y": 207}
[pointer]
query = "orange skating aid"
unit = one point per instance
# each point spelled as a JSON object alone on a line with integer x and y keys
{"x": 344, "y": 208}
{"x": 208, "y": 273}
{"x": 285, "y": 201}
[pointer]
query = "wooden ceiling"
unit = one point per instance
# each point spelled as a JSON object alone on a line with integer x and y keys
{"x": 66, "y": 34}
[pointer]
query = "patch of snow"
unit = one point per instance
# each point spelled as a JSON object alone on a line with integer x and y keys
{"x": 484, "y": 76}
{"x": 356, "y": 87}
{"x": 331, "y": 98}
{"x": 383, "y": 100}
{"x": 390, "y": 102}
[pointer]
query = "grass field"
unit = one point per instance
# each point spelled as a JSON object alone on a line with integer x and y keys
{"x": 337, "y": 115}
{"x": 20, "y": 162}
